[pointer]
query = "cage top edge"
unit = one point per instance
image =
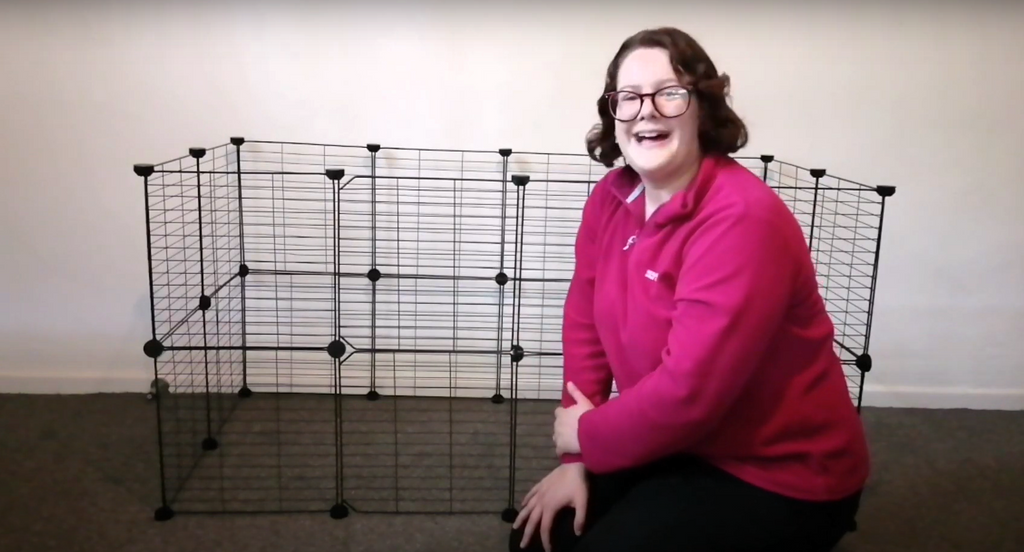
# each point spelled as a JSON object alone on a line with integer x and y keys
{"x": 886, "y": 190}
{"x": 883, "y": 190}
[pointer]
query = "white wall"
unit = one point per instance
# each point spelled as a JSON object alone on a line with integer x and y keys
{"x": 924, "y": 98}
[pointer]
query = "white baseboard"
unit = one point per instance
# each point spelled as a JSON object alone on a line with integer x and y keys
{"x": 873, "y": 396}
{"x": 72, "y": 384}
{"x": 942, "y": 397}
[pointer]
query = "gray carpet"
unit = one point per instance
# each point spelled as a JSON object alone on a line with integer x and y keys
{"x": 81, "y": 473}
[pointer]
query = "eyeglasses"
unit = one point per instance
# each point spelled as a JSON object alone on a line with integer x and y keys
{"x": 671, "y": 101}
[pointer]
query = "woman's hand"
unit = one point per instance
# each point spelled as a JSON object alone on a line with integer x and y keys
{"x": 565, "y": 486}
{"x": 567, "y": 422}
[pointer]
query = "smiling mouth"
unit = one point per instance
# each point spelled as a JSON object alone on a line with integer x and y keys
{"x": 650, "y": 137}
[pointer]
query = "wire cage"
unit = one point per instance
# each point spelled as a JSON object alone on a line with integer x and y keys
{"x": 363, "y": 328}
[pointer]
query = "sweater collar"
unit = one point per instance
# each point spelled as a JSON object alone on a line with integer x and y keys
{"x": 628, "y": 187}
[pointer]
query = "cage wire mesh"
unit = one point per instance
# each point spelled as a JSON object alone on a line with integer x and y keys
{"x": 377, "y": 329}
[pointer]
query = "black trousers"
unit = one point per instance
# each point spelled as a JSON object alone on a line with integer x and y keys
{"x": 686, "y": 504}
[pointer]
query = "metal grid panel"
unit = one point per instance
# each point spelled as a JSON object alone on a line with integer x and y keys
{"x": 386, "y": 337}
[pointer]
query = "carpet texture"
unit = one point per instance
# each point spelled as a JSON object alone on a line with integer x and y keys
{"x": 80, "y": 472}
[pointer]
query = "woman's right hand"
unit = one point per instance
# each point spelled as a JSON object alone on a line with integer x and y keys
{"x": 565, "y": 486}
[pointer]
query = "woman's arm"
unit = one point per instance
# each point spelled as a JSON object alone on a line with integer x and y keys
{"x": 731, "y": 295}
{"x": 584, "y": 360}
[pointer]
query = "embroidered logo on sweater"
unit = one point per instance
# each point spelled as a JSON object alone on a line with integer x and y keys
{"x": 630, "y": 242}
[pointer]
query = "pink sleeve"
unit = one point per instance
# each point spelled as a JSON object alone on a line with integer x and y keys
{"x": 730, "y": 297}
{"x": 584, "y": 360}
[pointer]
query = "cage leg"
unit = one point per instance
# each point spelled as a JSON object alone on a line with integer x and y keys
{"x": 517, "y": 352}
{"x": 501, "y": 278}
{"x": 865, "y": 363}
{"x": 243, "y": 270}
{"x": 205, "y": 301}
{"x": 209, "y": 443}
{"x": 154, "y": 348}
{"x": 510, "y": 513}
{"x": 337, "y": 349}
{"x": 373, "y": 274}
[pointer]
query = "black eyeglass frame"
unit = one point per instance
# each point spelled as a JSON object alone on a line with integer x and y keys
{"x": 611, "y": 110}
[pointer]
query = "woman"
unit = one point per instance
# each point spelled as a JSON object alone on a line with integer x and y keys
{"x": 694, "y": 290}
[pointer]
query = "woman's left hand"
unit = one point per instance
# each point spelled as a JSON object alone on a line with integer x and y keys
{"x": 567, "y": 422}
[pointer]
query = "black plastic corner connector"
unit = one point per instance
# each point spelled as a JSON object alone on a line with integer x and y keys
{"x": 817, "y": 173}
{"x": 767, "y": 158}
{"x": 501, "y": 279}
{"x": 197, "y": 153}
{"x": 373, "y": 274}
{"x": 336, "y": 348}
{"x": 517, "y": 353}
{"x": 163, "y": 513}
{"x": 335, "y": 174}
{"x": 339, "y": 511}
{"x": 153, "y": 348}
{"x": 505, "y": 152}
{"x": 886, "y": 191}
{"x": 863, "y": 362}
{"x": 205, "y": 302}
{"x": 520, "y": 179}
{"x": 243, "y": 270}
{"x": 373, "y": 148}
{"x": 237, "y": 141}
{"x": 143, "y": 169}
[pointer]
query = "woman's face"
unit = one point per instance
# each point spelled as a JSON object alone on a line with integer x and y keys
{"x": 653, "y": 143}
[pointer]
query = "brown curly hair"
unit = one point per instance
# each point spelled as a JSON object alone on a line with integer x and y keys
{"x": 720, "y": 129}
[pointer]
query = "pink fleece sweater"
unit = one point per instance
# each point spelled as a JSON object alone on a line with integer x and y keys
{"x": 709, "y": 319}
